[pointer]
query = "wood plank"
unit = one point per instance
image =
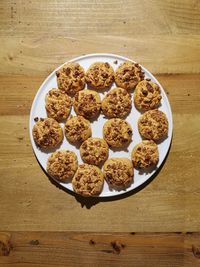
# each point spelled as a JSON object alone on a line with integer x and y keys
{"x": 93, "y": 249}
{"x": 158, "y": 53}
{"x": 99, "y": 18}
{"x": 182, "y": 91}
{"x": 28, "y": 200}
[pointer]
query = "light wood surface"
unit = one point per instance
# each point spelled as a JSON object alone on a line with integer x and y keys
{"x": 37, "y": 36}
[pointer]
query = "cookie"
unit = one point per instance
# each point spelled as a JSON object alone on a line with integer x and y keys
{"x": 117, "y": 103}
{"x": 77, "y": 129}
{"x": 147, "y": 95}
{"x": 88, "y": 180}
{"x": 117, "y": 132}
{"x": 58, "y": 104}
{"x": 62, "y": 165}
{"x": 71, "y": 78}
{"x": 100, "y": 75}
{"x": 145, "y": 154}
{"x": 94, "y": 151}
{"x": 87, "y": 103}
{"x": 47, "y": 133}
{"x": 128, "y": 75}
{"x": 153, "y": 124}
{"x": 118, "y": 172}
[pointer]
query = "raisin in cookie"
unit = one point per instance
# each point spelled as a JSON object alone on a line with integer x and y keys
{"x": 77, "y": 129}
{"x": 147, "y": 95}
{"x": 87, "y": 103}
{"x": 71, "y": 78}
{"x": 153, "y": 124}
{"x": 100, "y": 75}
{"x": 128, "y": 74}
{"x": 145, "y": 154}
{"x": 94, "y": 151}
{"x": 58, "y": 104}
{"x": 88, "y": 180}
{"x": 47, "y": 133}
{"x": 118, "y": 172}
{"x": 117, "y": 103}
{"x": 117, "y": 132}
{"x": 62, "y": 165}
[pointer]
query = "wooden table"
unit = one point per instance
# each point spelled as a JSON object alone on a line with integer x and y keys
{"x": 42, "y": 225}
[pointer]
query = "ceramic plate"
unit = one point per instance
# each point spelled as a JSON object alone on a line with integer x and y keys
{"x": 38, "y": 110}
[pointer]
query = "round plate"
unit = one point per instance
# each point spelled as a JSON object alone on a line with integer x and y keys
{"x": 38, "y": 110}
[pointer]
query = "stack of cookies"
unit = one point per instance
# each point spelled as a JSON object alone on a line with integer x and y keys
{"x": 87, "y": 178}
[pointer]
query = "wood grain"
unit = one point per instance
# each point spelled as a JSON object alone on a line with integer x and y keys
{"x": 20, "y": 249}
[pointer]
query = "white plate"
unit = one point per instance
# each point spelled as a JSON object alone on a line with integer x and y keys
{"x": 38, "y": 110}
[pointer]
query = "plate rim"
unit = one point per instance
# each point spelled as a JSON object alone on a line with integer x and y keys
{"x": 167, "y": 103}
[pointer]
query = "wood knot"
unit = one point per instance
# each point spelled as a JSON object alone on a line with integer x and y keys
{"x": 5, "y": 244}
{"x": 34, "y": 242}
{"x": 196, "y": 251}
{"x": 117, "y": 247}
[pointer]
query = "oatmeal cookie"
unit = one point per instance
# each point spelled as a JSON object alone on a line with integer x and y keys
{"x": 77, "y": 129}
{"x": 87, "y": 103}
{"x": 118, "y": 172}
{"x": 117, "y": 132}
{"x": 147, "y": 95}
{"x": 71, "y": 78}
{"x": 47, "y": 133}
{"x": 128, "y": 74}
{"x": 94, "y": 151}
{"x": 153, "y": 124}
{"x": 88, "y": 180}
{"x": 145, "y": 154}
{"x": 100, "y": 75}
{"x": 62, "y": 165}
{"x": 58, "y": 104}
{"x": 117, "y": 103}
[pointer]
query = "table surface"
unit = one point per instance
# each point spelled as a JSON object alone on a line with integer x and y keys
{"x": 36, "y": 37}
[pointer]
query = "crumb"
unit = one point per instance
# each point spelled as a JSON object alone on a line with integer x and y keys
{"x": 115, "y": 62}
{"x": 36, "y": 119}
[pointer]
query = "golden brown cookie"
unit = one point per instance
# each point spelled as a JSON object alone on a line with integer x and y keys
{"x": 87, "y": 103}
{"x": 94, "y": 151}
{"x": 153, "y": 124}
{"x": 117, "y": 103}
{"x": 145, "y": 154}
{"x": 147, "y": 95}
{"x": 77, "y": 129}
{"x": 118, "y": 172}
{"x": 117, "y": 132}
{"x": 128, "y": 74}
{"x": 71, "y": 78}
{"x": 62, "y": 165}
{"x": 88, "y": 180}
{"x": 100, "y": 75}
{"x": 47, "y": 133}
{"x": 58, "y": 104}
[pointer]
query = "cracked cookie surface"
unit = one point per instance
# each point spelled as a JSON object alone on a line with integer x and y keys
{"x": 88, "y": 180}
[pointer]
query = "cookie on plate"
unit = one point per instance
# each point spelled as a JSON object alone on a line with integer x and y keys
{"x": 71, "y": 78}
{"x": 118, "y": 172}
{"x": 62, "y": 165}
{"x": 77, "y": 129}
{"x": 87, "y": 103}
{"x": 100, "y": 75}
{"x": 94, "y": 151}
{"x": 153, "y": 124}
{"x": 117, "y": 103}
{"x": 117, "y": 132}
{"x": 58, "y": 104}
{"x": 145, "y": 154}
{"x": 47, "y": 133}
{"x": 147, "y": 95}
{"x": 88, "y": 180}
{"x": 128, "y": 75}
